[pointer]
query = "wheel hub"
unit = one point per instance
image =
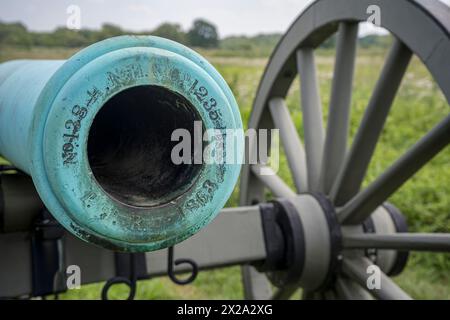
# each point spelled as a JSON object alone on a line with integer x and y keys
{"x": 304, "y": 241}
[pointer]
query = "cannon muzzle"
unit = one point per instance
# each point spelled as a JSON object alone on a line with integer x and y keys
{"x": 94, "y": 133}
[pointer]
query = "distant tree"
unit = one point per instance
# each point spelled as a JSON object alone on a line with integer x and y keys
{"x": 110, "y": 30}
{"x": 329, "y": 43}
{"x": 258, "y": 45}
{"x": 15, "y": 34}
{"x": 63, "y": 37}
{"x": 203, "y": 34}
{"x": 374, "y": 40}
{"x": 90, "y": 36}
{"x": 170, "y": 31}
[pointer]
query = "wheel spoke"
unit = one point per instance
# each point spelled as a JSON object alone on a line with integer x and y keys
{"x": 339, "y": 111}
{"x": 356, "y": 269}
{"x": 256, "y": 285}
{"x": 284, "y": 293}
{"x": 329, "y": 295}
{"x": 312, "y": 115}
{"x": 291, "y": 142}
{"x": 311, "y": 295}
{"x": 272, "y": 181}
{"x": 439, "y": 242}
{"x": 349, "y": 179}
{"x": 364, "y": 203}
{"x": 347, "y": 289}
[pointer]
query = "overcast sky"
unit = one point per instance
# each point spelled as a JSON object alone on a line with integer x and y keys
{"x": 232, "y": 17}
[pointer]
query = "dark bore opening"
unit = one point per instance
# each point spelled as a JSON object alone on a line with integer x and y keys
{"x": 129, "y": 146}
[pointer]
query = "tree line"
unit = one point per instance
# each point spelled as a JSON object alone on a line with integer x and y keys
{"x": 201, "y": 34}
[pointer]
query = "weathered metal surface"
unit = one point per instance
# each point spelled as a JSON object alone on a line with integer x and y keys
{"x": 47, "y": 109}
{"x": 214, "y": 246}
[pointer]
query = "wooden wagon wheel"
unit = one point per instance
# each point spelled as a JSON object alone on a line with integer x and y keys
{"x": 330, "y": 170}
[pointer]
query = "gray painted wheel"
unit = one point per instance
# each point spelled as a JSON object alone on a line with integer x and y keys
{"x": 326, "y": 164}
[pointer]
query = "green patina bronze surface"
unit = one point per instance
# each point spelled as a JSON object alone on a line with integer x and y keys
{"x": 47, "y": 109}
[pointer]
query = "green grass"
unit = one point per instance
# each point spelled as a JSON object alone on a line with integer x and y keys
{"x": 214, "y": 284}
{"x": 425, "y": 199}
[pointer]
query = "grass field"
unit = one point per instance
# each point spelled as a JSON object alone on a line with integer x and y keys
{"x": 425, "y": 199}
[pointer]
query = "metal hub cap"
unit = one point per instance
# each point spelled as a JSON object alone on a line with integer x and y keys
{"x": 313, "y": 238}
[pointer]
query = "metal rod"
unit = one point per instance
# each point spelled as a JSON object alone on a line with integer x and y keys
{"x": 349, "y": 180}
{"x": 312, "y": 115}
{"x": 364, "y": 203}
{"x": 272, "y": 181}
{"x": 291, "y": 143}
{"x": 439, "y": 242}
{"x": 340, "y": 101}
{"x": 356, "y": 269}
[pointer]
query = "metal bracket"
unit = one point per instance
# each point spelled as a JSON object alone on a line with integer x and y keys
{"x": 47, "y": 256}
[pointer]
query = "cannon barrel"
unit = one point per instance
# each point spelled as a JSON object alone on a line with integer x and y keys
{"x": 94, "y": 133}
